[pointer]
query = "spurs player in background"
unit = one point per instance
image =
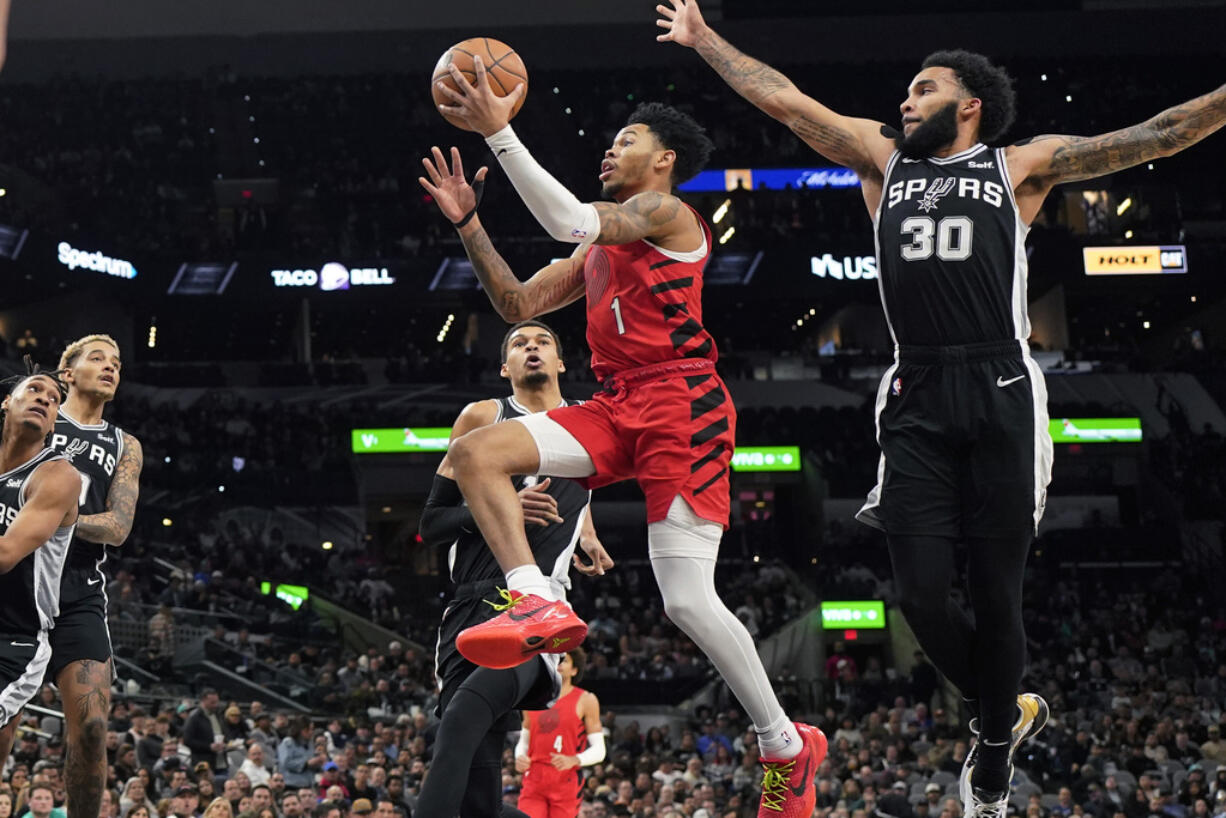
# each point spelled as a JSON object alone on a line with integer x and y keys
{"x": 962, "y": 413}
{"x": 39, "y": 491}
{"x": 109, "y": 460}
{"x": 665, "y": 417}
{"x": 477, "y": 705}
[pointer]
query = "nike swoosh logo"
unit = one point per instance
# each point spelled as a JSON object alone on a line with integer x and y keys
{"x": 94, "y": 581}
{"x": 501, "y": 151}
{"x": 23, "y": 644}
{"x": 805, "y": 779}
{"x": 526, "y": 615}
{"x": 1000, "y": 380}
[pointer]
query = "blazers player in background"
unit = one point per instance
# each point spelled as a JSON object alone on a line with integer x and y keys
{"x": 665, "y": 417}
{"x": 555, "y": 744}
{"x": 476, "y": 704}
{"x": 962, "y": 413}
{"x": 109, "y": 460}
{"x": 39, "y": 490}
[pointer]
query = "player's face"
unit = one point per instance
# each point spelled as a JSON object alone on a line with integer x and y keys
{"x": 628, "y": 163}
{"x": 34, "y": 403}
{"x": 532, "y": 357}
{"x": 930, "y": 111}
{"x": 566, "y": 667}
{"x": 96, "y": 370}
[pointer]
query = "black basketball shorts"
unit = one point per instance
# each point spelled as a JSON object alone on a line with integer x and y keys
{"x": 965, "y": 445}
{"x": 80, "y": 632}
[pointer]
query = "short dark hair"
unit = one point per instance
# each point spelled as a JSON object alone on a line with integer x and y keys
{"x": 506, "y": 339}
{"x": 677, "y": 132}
{"x": 578, "y": 658}
{"x": 990, "y": 83}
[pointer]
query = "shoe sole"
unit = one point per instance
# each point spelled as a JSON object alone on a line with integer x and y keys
{"x": 496, "y": 651}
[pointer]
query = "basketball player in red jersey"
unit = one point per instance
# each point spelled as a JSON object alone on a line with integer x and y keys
{"x": 555, "y": 743}
{"x": 664, "y": 417}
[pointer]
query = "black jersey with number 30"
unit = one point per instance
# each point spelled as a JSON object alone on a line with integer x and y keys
{"x": 951, "y": 250}
{"x": 95, "y": 449}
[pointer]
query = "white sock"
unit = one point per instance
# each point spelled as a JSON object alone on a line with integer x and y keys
{"x": 779, "y": 741}
{"x": 528, "y": 579}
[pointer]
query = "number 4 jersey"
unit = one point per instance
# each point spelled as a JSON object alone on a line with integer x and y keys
{"x": 95, "y": 450}
{"x": 951, "y": 250}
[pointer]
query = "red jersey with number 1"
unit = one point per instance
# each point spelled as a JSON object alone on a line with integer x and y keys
{"x": 644, "y": 305}
{"x": 559, "y": 730}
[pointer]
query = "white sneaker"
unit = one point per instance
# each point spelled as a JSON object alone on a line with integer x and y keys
{"x": 986, "y": 805}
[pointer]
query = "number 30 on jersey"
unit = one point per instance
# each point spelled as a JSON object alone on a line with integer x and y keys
{"x": 953, "y": 238}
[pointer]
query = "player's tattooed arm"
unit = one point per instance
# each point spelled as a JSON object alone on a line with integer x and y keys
{"x": 643, "y": 216}
{"x": 551, "y": 288}
{"x": 112, "y": 526}
{"x": 1052, "y": 159}
{"x": 854, "y": 143}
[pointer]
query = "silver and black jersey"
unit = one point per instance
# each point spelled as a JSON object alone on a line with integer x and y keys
{"x": 951, "y": 250}
{"x": 30, "y": 593}
{"x": 95, "y": 449}
{"x": 470, "y": 560}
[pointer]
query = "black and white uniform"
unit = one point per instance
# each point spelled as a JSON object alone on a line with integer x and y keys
{"x": 80, "y": 629}
{"x": 962, "y": 413}
{"x": 29, "y": 597}
{"x": 477, "y": 575}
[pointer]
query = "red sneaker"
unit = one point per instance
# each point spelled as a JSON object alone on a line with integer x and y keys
{"x": 528, "y": 625}
{"x": 787, "y": 786}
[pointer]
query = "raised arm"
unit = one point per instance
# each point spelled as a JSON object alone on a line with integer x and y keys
{"x": 649, "y": 215}
{"x": 51, "y": 503}
{"x": 1044, "y": 161}
{"x": 112, "y": 526}
{"x": 854, "y": 143}
{"x": 551, "y": 288}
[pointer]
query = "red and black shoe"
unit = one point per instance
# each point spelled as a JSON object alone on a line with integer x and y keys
{"x": 526, "y": 626}
{"x": 787, "y": 786}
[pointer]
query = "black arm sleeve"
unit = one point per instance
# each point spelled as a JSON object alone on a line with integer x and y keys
{"x": 445, "y": 517}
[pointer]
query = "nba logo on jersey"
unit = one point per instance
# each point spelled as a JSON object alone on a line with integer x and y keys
{"x": 896, "y": 387}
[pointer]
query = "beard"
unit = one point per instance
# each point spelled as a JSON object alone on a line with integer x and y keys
{"x": 536, "y": 377}
{"x": 933, "y": 133}
{"x": 609, "y": 189}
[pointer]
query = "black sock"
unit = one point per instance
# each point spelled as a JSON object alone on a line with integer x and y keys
{"x": 972, "y": 707}
{"x": 991, "y": 773}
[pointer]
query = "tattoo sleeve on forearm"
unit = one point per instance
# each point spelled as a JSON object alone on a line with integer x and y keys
{"x": 1085, "y": 157}
{"x": 752, "y": 79}
{"x": 516, "y": 300}
{"x": 500, "y": 284}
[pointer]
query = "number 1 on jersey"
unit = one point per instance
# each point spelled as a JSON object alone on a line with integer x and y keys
{"x": 617, "y": 313}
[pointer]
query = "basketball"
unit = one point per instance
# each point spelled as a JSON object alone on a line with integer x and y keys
{"x": 503, "y": 67}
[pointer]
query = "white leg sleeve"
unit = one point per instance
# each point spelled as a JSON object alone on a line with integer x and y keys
{"x": 561, "y": 455}
{"x": 683, "y": 547}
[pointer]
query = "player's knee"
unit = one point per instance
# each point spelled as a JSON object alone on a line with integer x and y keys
{"x": 92, "y": 739}
{"x": 462, "y": 454}
{"x": 685, "y": 610}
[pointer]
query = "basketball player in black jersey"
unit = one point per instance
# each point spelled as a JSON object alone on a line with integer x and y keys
{"x": 477, "y": 704}
{"x": 109, "y": 460}
{"x": 39, "y": 490}
{"x": 961, "y": 416}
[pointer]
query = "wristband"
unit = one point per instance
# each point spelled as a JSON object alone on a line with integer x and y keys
{"x": 478, "y": 189}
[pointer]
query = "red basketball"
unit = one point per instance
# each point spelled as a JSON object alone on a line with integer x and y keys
{"x": 503, "y": 67}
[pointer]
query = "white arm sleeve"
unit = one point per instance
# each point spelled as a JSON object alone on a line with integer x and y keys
{"x": 521, "y": 746}
{"x": 594, "y": 754}
{"x": 563, "y": 216}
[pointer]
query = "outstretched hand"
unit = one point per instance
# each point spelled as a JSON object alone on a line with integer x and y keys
{"x": 682, "y": 22}
{"x": 452, "y": 193}
{"x": 484, "y": 111}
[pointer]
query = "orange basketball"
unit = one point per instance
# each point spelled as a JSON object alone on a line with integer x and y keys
{"x": 503, "y": 67}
